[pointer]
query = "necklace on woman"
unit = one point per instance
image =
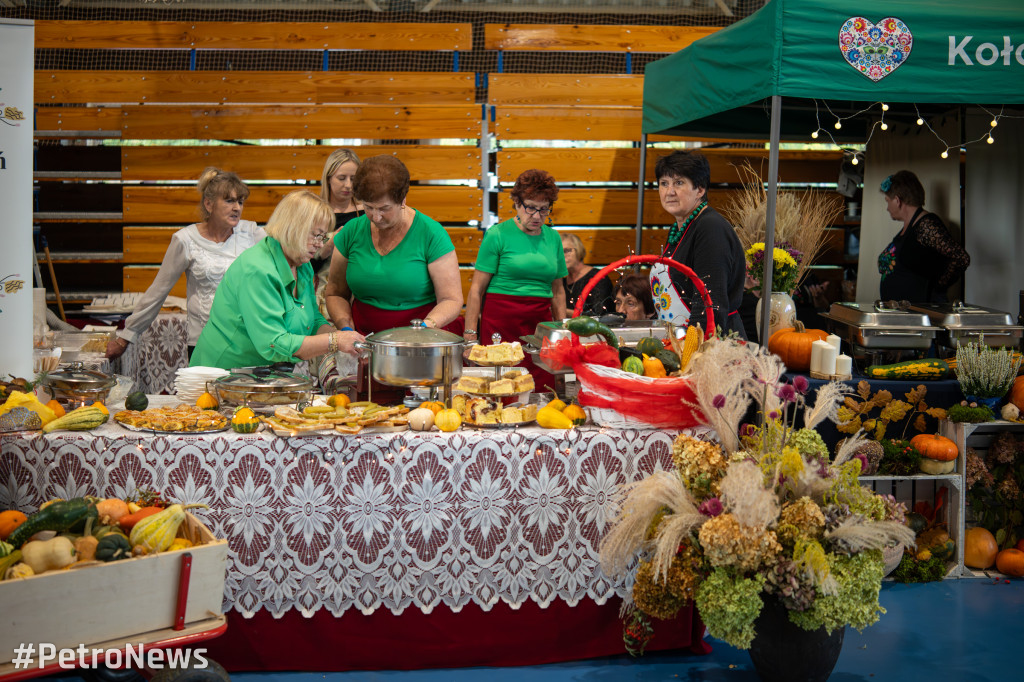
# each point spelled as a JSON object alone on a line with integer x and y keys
{"x": 676, "y": 232}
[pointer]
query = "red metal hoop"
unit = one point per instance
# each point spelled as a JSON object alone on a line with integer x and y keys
{"x": 632, "y": 260}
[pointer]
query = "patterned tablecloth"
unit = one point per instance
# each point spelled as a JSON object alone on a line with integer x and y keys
{"x": 389, "y": 521}
{"x": 154, "y": 359}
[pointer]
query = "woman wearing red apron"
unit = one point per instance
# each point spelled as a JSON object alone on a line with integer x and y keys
{"x": 517, "y": 282}
{"x": 392, "y": 264}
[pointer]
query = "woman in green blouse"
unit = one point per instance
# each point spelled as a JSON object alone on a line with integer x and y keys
{"x": 265, "y": 308}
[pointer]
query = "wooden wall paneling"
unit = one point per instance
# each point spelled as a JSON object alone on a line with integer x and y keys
{"x": 255, "y": 35}
{"x": 592, "y": 38}
{"x": 137, "y": 278}
{"x": 80, "y": 122}
{"x": 600, "y": 206}
{"x": 541, "y": 89}
{"x": 425, "y": 162}
{"x": 233, "y": 122}
{"x": 148, "y": 244}
{"x": 567, "y": 123}
{"x": 588, "y": 164}
{"x": 263, "y": 87}
{"x": 180, "y": 205}
{"x": 608, "y": 244}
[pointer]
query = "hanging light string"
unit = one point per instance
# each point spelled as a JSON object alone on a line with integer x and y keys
{"x": 880, "y": 123}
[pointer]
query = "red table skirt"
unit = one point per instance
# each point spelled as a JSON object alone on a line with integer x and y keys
{"x": 443, "y": 639}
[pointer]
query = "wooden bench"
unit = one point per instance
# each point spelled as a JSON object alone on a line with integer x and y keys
{"x": 255, "y": 35}
{"x": 536, "y": 89}
{"x": 592, "y": 38}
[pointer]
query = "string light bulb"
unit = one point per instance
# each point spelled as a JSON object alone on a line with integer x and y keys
{"x": 814, "y": 135}
{"x": 945, "y": 154}
{"x": 885, "y": 107}
{"x": 854, "y": 161}
{"x": 920, "y": 121}
{"x": 839, "y": 124}
{"x": 989, "y": 139}
{"x": 994, "y": 123}
{"x": 884, "y": 126}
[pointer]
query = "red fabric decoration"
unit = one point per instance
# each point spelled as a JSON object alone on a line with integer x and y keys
{"x": 564, "y": 353}
{"x": 663, "y": 403}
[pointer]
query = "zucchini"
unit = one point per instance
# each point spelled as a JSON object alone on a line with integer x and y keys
{"x": 59, "y": 516}
{"x": 669, "y": 360}
{"x": 588, "y": 326}
{"x": 912, "y": 370}
{"x": 82, "y": 419}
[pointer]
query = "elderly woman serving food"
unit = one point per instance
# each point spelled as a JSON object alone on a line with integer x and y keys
{"x": 393, "y": 264}
{"x": 265, "y": 309}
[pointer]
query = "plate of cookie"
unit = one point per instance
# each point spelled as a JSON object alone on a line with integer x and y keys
{"x": 497, "y": 355}
{"x": 513, "y": 382}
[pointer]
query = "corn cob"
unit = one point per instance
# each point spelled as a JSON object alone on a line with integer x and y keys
{"x": 694, "y": 335}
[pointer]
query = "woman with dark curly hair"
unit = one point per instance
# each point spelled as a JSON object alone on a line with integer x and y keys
{"x": 520, "y": 266}
{"x": 923, "y": 260}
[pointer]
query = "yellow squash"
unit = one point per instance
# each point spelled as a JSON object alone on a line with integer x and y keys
{"x": 156, "y": 533}
{"x": 550, "y": 418}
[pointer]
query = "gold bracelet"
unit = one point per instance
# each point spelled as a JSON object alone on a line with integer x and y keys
{"x": 332, "y": 342}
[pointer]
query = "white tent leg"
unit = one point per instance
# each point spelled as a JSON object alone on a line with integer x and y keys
{"x": 769, "y": 232}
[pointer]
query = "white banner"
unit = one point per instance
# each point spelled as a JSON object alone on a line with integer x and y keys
{"x": 17, "y": 67}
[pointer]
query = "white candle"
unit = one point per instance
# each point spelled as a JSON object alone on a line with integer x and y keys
{"x": 816, "y": 347}
{"x": 834, "y": 341}
{"x": 844, "y": 365}
{"x": 828, "y": 359}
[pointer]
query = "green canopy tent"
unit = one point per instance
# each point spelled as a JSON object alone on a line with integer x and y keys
{"x": 732, "y": 83}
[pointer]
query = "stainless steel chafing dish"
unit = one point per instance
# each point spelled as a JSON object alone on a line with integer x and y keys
{"x": 261, "y": 387}
{"x": 881, "y": 325}
{"x": 629, "y": 332}
{"x": 963, "y": 323}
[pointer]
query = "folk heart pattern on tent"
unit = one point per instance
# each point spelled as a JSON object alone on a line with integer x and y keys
{"x": 875, "y": 50}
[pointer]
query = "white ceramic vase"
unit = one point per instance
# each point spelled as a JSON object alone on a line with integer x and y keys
{"x": 782, "y": 315}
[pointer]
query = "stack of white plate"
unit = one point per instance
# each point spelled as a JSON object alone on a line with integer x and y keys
{"x": 190, "y": 382}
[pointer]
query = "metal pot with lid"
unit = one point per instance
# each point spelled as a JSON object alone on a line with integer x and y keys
{"x": 75, "y": 386}
{"x": 414, "y": 356}
{"x": 261, "y": 386}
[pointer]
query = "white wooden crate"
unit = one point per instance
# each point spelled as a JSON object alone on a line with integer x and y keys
{"x": 119, "y": 600}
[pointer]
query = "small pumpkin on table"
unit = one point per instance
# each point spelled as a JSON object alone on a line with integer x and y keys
{"x": 938, "y": 453}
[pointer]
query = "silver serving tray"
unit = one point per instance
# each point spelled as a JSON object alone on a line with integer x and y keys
{"x": 629, "y": 333}
{"x": 963, "y": 323}
{"x": 883, "y": 326}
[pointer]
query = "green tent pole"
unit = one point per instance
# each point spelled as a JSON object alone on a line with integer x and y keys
{"x": 769, "y": 232}
{"x": 640, "y": 195}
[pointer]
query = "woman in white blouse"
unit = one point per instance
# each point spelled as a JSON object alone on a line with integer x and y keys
{"x": 203, "y": 251}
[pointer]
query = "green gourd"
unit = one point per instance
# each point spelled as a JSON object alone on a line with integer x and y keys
{"x": 588, "y": 326}
{"x": 82, "y": 419}
{"x": 113, "y": 546}
{"x": 634, "y": 365}
{"x": 59, "y": 516}
{"x": 649, "y": 346}
{"x": 136, "y": 401}
{"x": 669, "y": 360}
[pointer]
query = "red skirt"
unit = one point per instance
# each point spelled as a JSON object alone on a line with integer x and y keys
{"x": 369, "y": 319}
{"x": 512, "y": 317}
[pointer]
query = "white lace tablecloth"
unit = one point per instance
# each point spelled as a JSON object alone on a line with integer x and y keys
{"x": 371, "y": 521}
{"x": 153, "y": 360}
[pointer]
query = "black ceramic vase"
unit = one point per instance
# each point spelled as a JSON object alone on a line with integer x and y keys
{"x": 784, "y": 652}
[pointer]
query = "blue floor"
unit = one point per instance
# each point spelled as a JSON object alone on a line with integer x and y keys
{"x": 967, "y": 630}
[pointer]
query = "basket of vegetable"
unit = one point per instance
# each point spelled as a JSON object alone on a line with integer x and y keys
{"x": 632, "y": 388}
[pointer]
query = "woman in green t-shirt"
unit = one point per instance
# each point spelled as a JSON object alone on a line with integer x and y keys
{"x": 392, "y": 264}
{"x": 519, "y": 269}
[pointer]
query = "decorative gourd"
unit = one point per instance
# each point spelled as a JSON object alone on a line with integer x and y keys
{"x": 669, "y": 360}
{"x": 156, "y": 533}
{"x": 634, "y": 365}
{"x": 5, "y": 548}
{"x": 101, "y": 407}
{"x": 82, "y": 419}
{"x": 575, "y": 413}
{"x": 7, "y": 561}
{"x": 550, "y": 418}
{"x": 432, "y": 405}
{"x": 127, "y": 523}
{"x": 1011, "y": 562}
{"x": 207, "y": 402}
{"x": 1017, "y": 393}
{"x": 653, "y": 367}
{"x": 915, "y": 522}
{"x": 18, "y": 571}
{"x": 980, "y": 548}
{"x": 793, "y": 345}
{"x": 179, "y": 543}
{"x": 111, "y": 510}
{"x": 85, "y": 547}
{"x": 9, "y": 521}
{"x": 421, "y": 419}
{"x": 588, "y": 326}
{"x": 935, "y": 447}
{"x": 911, "y": 370}
{"x": 938, "y": 542}
{"x": 557, "y": 404}
{"x": 244, "y": 420}
{"x": 448, "y": 420}
{"x": 112, "y": 547}
{"x": 649, "y": 345}
{"x": 58, "y": 516}
{"x": 47, "y": 555}
{"x": 339, "y": 400}
{"x": 136, "y": 401}
{"x": 57, "y": 408}
{"x": 103, "y": 531}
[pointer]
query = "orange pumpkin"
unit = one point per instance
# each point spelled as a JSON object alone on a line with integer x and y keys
{"x": 57, "y": 408}
{"x": 433, "y": 405}
{"x": 1011, "y": 562}
{"x": 934, "y": 446}
{"x": 9, "y": 520}
{"x": 1017, "y": 393}
{"x": 793, "y": 345}
{"x": 980, "y": 548}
